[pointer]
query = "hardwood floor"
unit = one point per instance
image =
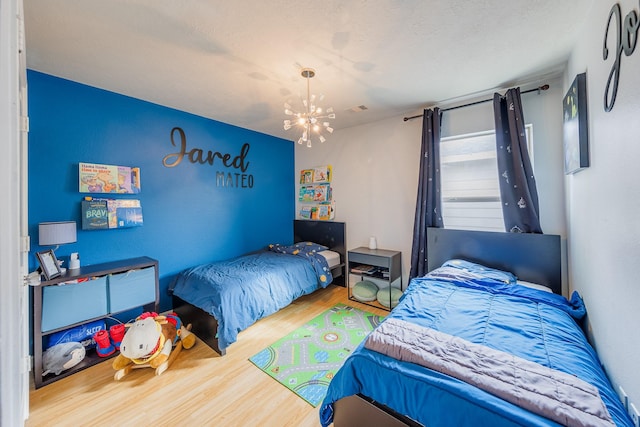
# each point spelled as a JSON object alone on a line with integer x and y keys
{"x": 199, "y": 389}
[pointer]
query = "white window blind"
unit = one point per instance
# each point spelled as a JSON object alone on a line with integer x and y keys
{"x": 469, "y": 178}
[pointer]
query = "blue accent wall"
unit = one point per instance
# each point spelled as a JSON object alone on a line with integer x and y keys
{"x": 188, "y": 218}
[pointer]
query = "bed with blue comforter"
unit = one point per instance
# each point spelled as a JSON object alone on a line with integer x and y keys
{"x": 472, "y": 306}
{"x": 239, "y": 291}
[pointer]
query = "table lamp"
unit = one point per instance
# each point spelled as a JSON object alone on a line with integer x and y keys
{"x": 56, "y": 233}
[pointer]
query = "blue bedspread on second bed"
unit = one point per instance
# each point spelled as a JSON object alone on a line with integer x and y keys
{"x": 531, "y": 324}
{"x": 242, "y": 290}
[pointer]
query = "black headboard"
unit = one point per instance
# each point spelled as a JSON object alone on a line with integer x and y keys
{"x": 531, "y": 257}
{"x": 328, "y": 233}
{"x": 331, "y": 234}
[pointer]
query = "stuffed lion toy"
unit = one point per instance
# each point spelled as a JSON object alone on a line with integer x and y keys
{"x": 149, "y": 341}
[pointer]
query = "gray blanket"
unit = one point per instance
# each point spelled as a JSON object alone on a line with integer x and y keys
{"x": 560, "y": 397}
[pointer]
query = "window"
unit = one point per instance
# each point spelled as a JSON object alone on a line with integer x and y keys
{"x": 470, "y": 188}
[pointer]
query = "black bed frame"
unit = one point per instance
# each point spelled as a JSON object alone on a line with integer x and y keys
{"x": 328, "y": 233}
{"x": 531, "y": 257}
{"x": 331, "y": 234}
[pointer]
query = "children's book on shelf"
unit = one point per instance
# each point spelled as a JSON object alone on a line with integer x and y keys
{"x": 322, "y": 174}
{"x": 306, "y": 193}
{"x": 321, "y": 193}
{"x": 306, "y": 176}
{"x": 102, "y": 214}
{"x": 306, "y": 211}
{"x": 324, "y": 212}
{"x": 97, "y": 178}
{"x": 315, "y": 193}
{"x": 316, "y": 174}
{"x": 95, "y": 215}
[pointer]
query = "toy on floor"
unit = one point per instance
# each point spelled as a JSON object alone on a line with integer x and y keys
{"x": 149, "y": 343}
{"x": 61, "y": 357}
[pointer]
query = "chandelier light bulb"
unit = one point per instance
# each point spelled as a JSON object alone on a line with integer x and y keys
{"x": 311, "y": 116}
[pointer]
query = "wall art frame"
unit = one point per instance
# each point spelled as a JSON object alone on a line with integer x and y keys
{"x": 576, "y": 126}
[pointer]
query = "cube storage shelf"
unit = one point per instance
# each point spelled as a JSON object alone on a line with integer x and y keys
{"x": 106, "y": 289}
{"x": 388, "y": 268}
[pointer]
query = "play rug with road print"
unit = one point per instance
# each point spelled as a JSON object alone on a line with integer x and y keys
{"x": 305, "y": 360}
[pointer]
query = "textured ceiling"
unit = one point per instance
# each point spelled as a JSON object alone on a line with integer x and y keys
{"x": 239, "y": 61}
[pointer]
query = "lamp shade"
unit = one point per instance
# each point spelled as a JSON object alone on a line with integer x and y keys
{"x": 56, "y": 233}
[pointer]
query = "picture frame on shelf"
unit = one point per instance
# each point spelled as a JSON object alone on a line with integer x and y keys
{"x": 49, "y": 264}
{"x": 575, "y": 126}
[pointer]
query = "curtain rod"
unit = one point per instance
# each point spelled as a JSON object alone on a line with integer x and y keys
{"x": 537, "y": 89}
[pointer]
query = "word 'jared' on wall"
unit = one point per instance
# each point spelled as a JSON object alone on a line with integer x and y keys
{"x": 626, "y": 40}
{"x": 197, "y": 155}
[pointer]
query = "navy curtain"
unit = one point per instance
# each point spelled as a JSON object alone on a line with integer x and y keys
{"x": 518, "y": 191}
{"x": 429, "y": 203}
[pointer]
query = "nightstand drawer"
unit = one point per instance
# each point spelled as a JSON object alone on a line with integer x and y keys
{"x": 65, "y": 305}
{"x": 375, "y": 260}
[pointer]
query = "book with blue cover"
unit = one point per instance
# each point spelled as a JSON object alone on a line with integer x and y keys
{"x": 129, "y": 217}
{"x": 95, "y": 215}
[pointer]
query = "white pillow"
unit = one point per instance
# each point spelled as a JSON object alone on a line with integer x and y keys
{"x": 333, "y": 258}
{"x": 534, "y": 286}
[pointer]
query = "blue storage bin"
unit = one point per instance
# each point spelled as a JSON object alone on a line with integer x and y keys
{"x": 132, "y": 289}
{"x": 72, "y": 303}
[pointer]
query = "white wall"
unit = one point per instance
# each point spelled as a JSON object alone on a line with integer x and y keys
{"x": 375, "y": 169}
{"x": 603, "y": 203}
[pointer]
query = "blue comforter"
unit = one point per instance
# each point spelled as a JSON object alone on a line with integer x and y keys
{"x": 494, "y": 312}
{"x": 242, "y": 290}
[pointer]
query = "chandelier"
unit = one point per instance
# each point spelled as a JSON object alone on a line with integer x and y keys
{"x": 311, "y": 118}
